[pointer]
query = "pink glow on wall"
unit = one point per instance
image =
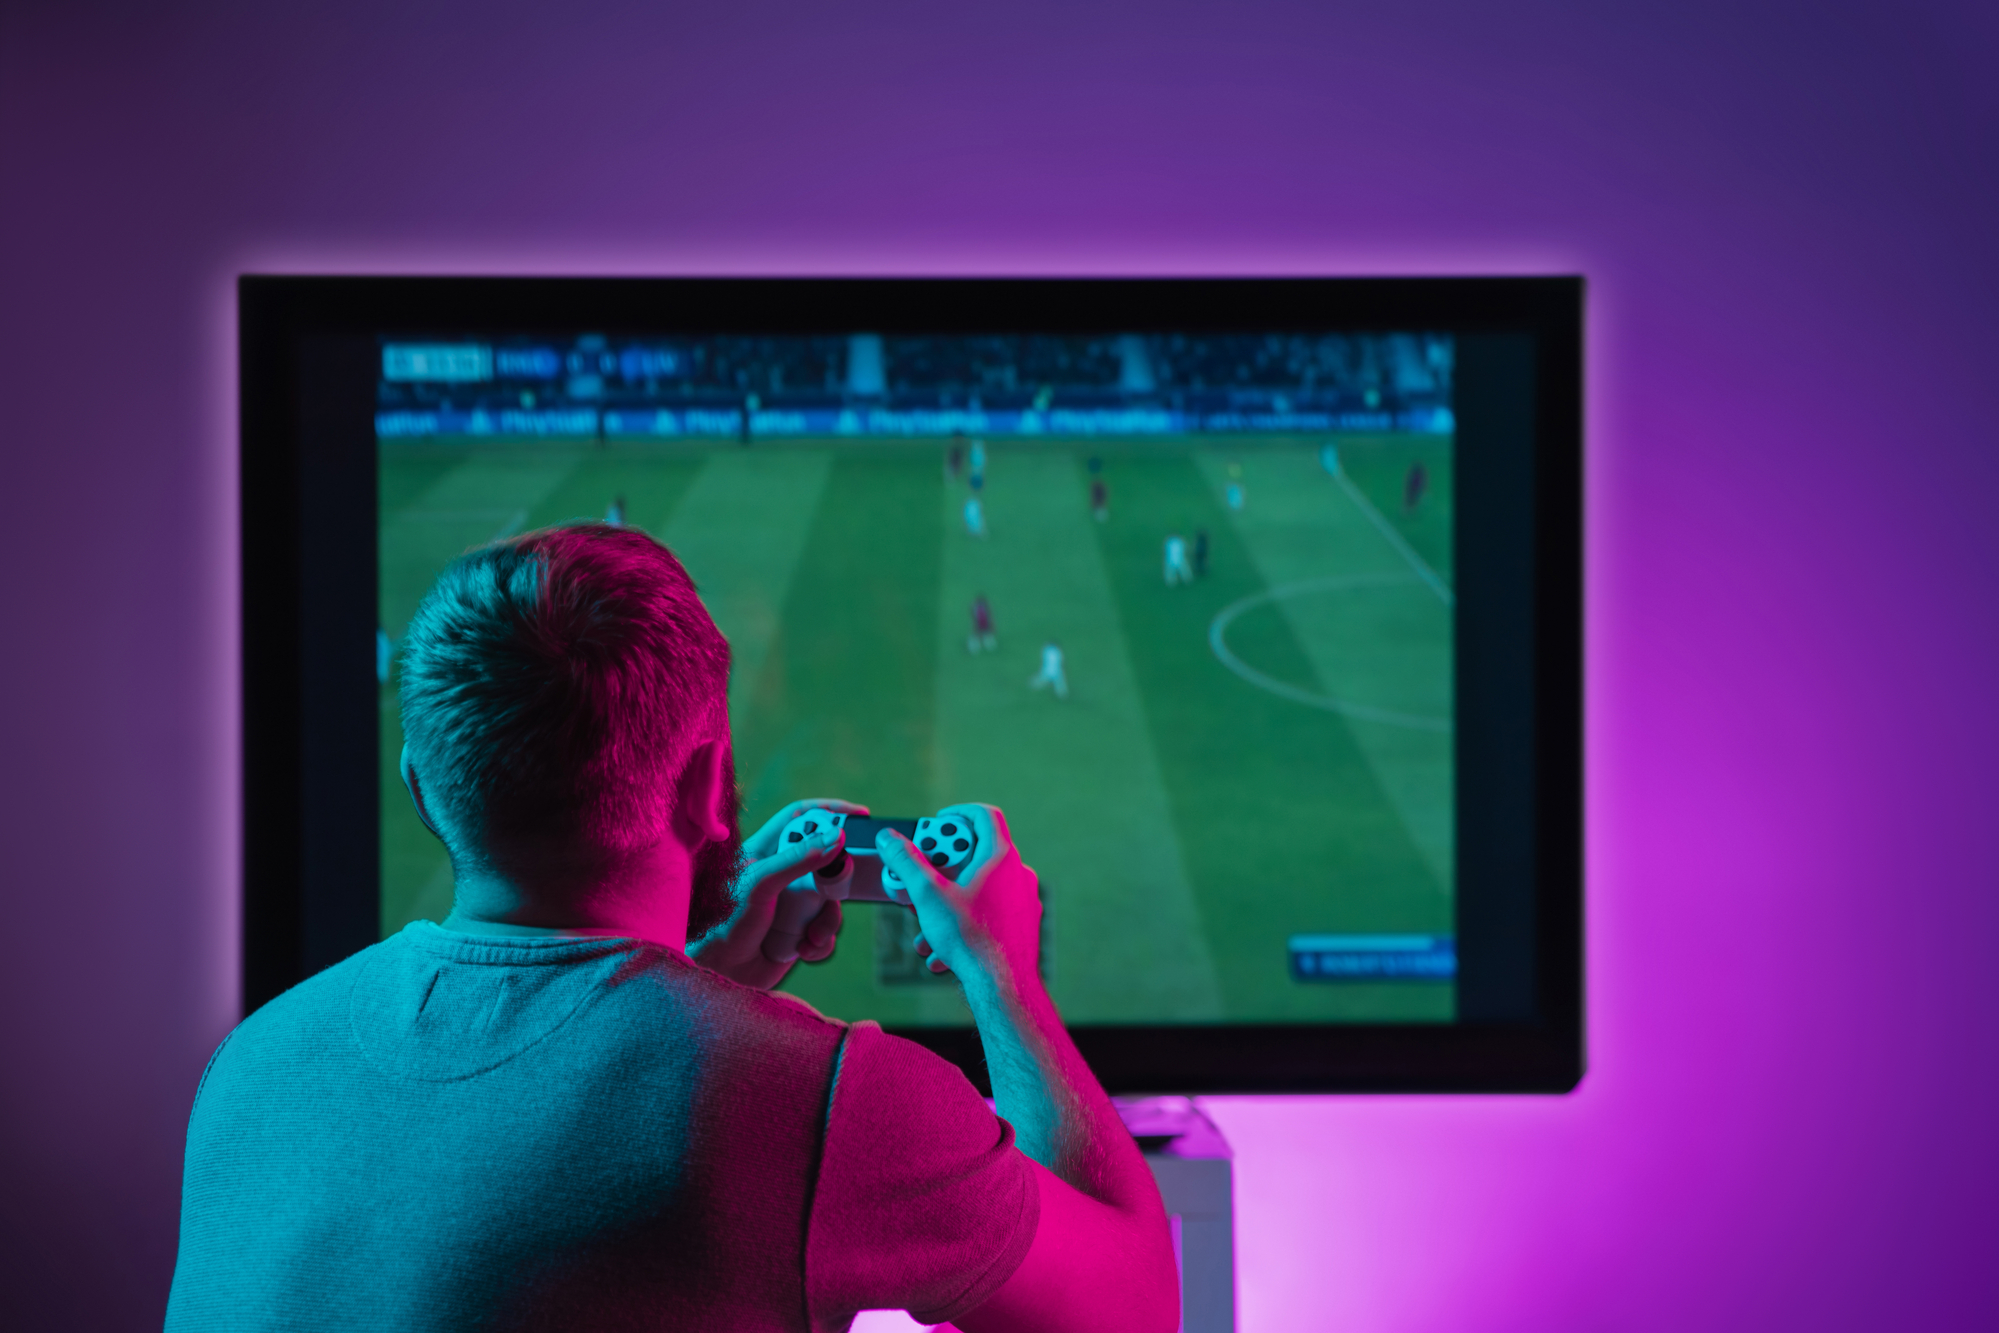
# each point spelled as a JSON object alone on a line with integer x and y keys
{"x": 1785, "y": 218}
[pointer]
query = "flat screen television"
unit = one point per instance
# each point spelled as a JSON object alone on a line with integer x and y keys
{"x": 1256, "y": 604}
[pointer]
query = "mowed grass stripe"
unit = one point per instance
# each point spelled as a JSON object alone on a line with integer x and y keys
{"x": 404, "y": 473}
{"x": 845, "y": 702}
{"x": 651, "y": 484}
{"x": 1282, "y": 825}
{"x": 740, "y": 531}
{"x": 1385, "y": 643}
{"x": 1076, "y": 777}
{"x": 1379, "y": 465}
{"x": 490, "y": 493}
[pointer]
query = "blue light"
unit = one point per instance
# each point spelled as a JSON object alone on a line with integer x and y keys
{"x": 449, "y": 363}
{"x": 647, "y": 363}
{"x": 527, "y": 363}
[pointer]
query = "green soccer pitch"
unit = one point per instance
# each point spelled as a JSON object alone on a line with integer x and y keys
{"x": 1186, "y": 813}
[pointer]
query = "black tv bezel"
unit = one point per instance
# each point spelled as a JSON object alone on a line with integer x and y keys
{"x": 285, "y": 937}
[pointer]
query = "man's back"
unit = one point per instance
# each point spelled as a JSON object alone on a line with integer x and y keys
{"x": 449, "y": 1131}
{"x": 547, "y": 1117}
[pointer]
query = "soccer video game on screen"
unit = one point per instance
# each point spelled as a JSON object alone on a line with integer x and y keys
{"x": 1181, "y": 604}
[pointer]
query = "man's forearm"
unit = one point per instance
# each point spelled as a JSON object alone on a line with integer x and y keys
{"x": 1101, "y": 1259}
{"x": 1060, "y": 1113}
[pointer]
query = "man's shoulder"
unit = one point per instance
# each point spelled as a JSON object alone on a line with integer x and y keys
{"x": 303, "y": 1017}
{"x": 318, "y": 995}
{"x": 644, "y": 994}
{"x": 777, "y": 1009}
{"x": 757, "y": 1032}
{"x": 665, "y": 970}
{"x": 871, "y": 1056}
{"x": 427, "y": 987}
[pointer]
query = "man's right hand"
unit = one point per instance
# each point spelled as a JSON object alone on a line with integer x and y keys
{"x": 985, "y": 928}
{"x": 1102, "y": 1259}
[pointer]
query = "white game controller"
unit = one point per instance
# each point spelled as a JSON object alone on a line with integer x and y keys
{"x": 857, "y": 874}
{"x": 947, "y": 840}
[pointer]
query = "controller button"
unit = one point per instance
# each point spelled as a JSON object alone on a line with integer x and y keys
{"x": 939, "y": 859}
{"x": 950, "y": 830}
{"x": 962, "y": 845}
{"x": 927, "y": 844}
{"x": 794, "y": 836}
{"x": 811, "y": 826}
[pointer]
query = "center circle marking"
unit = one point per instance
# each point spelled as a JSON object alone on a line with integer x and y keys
{"x": 1218, "y": 642}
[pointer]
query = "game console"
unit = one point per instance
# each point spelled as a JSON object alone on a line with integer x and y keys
{"x": 857, "y": 874}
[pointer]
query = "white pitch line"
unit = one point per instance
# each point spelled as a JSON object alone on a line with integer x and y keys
{"x": 1218, "y": 643}
{"x": 1387, "y": 529}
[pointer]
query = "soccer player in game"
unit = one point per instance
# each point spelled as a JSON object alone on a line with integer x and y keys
{"x": 1177, "y": 568}
{"x": 1413, "y": 487}
{"x": 1100, "y": 501}
{"x": 975, "y": 516}
{"x": 976, "y": 465}
{"x": 982, "y": 638}
{"x": 1329, "y": 459}
{"x": 615, "y": 515}
{"x": 1050, "y": 674}
{"x": 1233, "y": 491}
{"x": 1201, "y": 554}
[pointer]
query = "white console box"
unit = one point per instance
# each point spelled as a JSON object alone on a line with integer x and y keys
{"x": 1191, "y": 1161}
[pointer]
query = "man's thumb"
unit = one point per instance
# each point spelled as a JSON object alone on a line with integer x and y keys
{"x": 772, "y": 875}
{"x": 911, "y": 867}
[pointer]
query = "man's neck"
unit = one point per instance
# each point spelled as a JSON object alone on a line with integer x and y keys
{"x": 645, "y": 899}
{"x": 466, "y": 924}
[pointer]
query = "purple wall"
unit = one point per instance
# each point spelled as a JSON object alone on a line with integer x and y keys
{"x": 1787, "y": 216}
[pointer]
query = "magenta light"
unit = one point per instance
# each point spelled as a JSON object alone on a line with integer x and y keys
{"x": 1785, "y": 217}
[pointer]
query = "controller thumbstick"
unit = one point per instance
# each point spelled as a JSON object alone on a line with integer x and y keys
{"x": 833, "y": 868}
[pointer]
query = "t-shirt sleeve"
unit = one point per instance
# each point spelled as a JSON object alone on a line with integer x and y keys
{"x": 923, "y": 1202}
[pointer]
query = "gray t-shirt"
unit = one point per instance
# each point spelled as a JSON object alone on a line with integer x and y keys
{"x": 449, "y": 1132}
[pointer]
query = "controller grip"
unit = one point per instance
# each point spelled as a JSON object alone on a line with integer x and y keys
{"x": 857, "y": 874}
{"x": 946, "y": 841}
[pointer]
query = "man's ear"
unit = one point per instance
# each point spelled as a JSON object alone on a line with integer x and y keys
{"x": 415, "y": 790}
{"x": 705, "y": 794}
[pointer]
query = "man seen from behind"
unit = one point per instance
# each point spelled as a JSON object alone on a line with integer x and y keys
{"x": 577, "y": 1104}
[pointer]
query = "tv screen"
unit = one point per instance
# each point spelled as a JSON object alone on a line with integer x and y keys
{"x": 1253, "y": 604}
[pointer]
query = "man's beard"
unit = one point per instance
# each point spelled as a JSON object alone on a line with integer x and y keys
{"x": 712, "y": 896}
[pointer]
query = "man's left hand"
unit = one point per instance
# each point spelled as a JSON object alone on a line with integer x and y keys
{"x": 736, "y": 947}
